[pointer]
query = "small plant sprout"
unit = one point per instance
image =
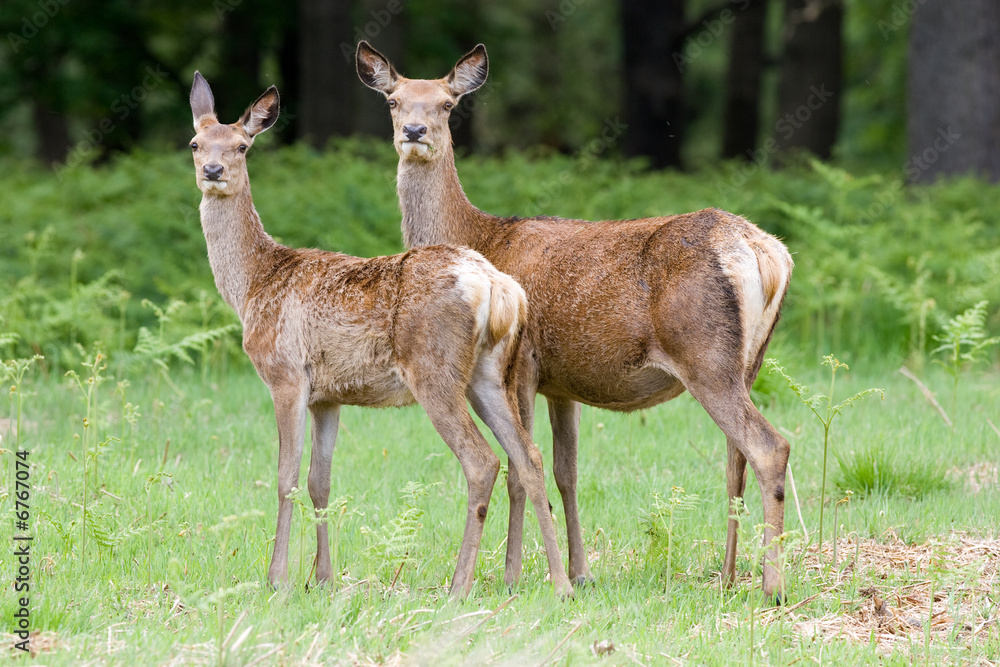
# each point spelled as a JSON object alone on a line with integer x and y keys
{"x": 15, "y": 370}
{"x": 825, "y": 410}
{"x": 836, "y": 526}
{"x": 88, "y": 388}
{"x": 130, "y": 415}
{"x": 659, "y": 525}
{"x": 963, "y": 343}
{"x": 151, "y": 482}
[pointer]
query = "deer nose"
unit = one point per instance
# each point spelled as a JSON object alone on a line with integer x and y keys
{"x": 414, "y": 132}
{"x": 213, "y": 171}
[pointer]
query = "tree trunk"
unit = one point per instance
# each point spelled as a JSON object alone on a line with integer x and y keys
{"x": 239, "y": 62}
{"x": 741, "y": 122}
{"x": 290, "y": 64}
{"x": 810, "y": 77}
{"x": 52, "y": 130}
{"x": 953, "y": 101}
{"x": 386, "y": 31}
{"x": 653, "y": 80}
{"x": 327, "y": 79}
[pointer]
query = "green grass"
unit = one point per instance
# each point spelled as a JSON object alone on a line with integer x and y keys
{"x": 175, "y": 569}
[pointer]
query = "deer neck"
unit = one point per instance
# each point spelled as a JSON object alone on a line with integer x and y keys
{"x": 434, "y": 206}
{"x": 238, "y": 247}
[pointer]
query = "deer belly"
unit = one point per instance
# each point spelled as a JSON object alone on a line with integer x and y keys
{"x": 614, "y": 387}
{"x": 349, "y": 366}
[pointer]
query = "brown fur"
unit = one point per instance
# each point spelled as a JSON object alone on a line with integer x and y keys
{"x": 434, "y": 325}
{"x": 624, "y": 314}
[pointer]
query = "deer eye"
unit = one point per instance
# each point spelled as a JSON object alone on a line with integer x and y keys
{"x": 448, "y": 106}
{"x": 392, "y": 104}
{"x": 243, "y": 148}
{"x": 194, "y": 145}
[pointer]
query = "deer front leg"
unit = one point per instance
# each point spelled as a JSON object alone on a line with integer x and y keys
{"x": 565, "y": 418}
{"x": 290, "y": 411}
{"x": 324, "y": 438}
{"x": 736, "y": 479}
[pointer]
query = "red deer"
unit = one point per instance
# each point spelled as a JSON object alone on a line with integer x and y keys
{"x": 435, "y": 326}
{"x": 623, "y": 314}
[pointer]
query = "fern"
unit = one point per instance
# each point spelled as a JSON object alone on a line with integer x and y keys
{"x": 659, "y": 524}
{"x": 393, "y": 545}
{"x": 824, "y": 409}
{"x": 963, "y": 343}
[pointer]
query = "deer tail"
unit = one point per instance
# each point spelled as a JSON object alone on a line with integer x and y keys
{"x": 508, "y": 307}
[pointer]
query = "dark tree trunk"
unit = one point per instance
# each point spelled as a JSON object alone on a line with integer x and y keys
{"x": 653, "y": 80}
{"x": 290, "y": 64}
{"x": 327, "y": 79}
{"x": 810, "y": 77}
{"x": 746, "y": 64}
{"x": 239, "y": 62}
{"x": 52, "y": 130}
{"x": 954, "y": 90}
{"x": 387, "y": 32}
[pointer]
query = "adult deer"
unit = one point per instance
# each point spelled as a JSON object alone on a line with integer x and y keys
{"x": 433, "y": 325}
{"x": 624, "y": 314}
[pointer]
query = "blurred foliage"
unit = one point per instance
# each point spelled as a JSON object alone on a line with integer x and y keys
{"x": 555, "y": 78}
{"x": 873, "y": 258}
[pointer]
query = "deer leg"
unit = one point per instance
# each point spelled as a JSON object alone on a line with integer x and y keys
{"x": 290, "y": 411}
{"x": 565, "y": 418}
{"x": 527, "y": 385}
{"x": 736, "y": 479}
{"x": 767, "y": 453}
{"x": 326, "y": 418}
{"x": 451, "y": 419}
{"x": 490, "y": 403}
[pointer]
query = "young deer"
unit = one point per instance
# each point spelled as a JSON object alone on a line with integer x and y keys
{"x": 624, "y": 314}
{"x": 434, "y": 326}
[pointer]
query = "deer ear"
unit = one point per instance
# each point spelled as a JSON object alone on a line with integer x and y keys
{"x": 261, "y": 114}
{"x": 470, "y": 72}
{"x": 202, "y": 101}
{"x": 375, "y": 70}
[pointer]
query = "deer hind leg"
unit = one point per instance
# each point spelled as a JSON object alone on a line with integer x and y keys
{"x": 490, "y": 403}
{"x": 326, "y": 419}
{"x": 565, "y": 418}
{"x": 527, "y": 385}
{"x": 767, "y": 453}
{"x": 290, "y": 410}
{"x": 450, "y": 417}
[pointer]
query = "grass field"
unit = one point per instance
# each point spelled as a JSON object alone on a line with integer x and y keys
{"x": 172, "y": 568}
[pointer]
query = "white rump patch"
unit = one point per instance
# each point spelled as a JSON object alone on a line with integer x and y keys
{"x": 740, "y": 266}
{"x": 476, "y": 285}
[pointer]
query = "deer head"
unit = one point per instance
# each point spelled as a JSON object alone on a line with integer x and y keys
{"x": 420, "y": 108}
{"x": 220, "y": 150}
